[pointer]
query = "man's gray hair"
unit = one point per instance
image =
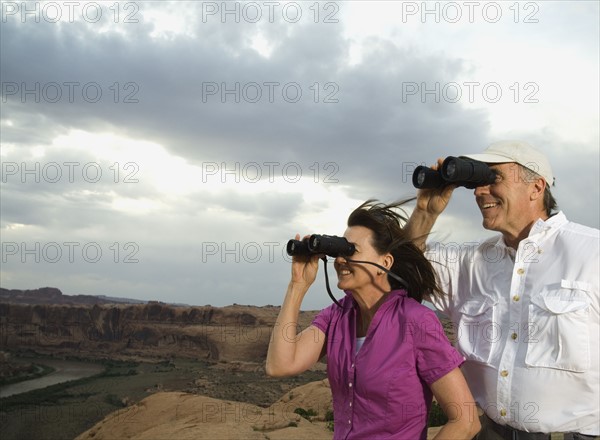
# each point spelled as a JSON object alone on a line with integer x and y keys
{"x": 549, "y": 201}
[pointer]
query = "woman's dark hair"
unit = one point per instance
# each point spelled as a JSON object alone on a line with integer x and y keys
{"x": 410, "y": 263}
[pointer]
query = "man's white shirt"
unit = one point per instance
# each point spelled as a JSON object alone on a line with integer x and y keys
{"x": 528, "y": 323}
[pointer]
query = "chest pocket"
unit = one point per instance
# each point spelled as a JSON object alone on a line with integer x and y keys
{"x": 477, "y": 330}
{"x": 560, "y": 337}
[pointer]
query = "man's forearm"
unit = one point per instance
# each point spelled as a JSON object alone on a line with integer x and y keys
{"x": 419, "y": 226}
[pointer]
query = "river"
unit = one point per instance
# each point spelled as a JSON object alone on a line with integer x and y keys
{"x": 65, "y": 371}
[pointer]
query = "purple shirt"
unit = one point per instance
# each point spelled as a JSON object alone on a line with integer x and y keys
{"x": 383, "y": 391}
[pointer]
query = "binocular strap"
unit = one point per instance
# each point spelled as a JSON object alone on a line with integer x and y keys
{"x": 390, "y": 273}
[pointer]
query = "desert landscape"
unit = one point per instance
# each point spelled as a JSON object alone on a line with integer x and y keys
{"x": 166, "y": 372}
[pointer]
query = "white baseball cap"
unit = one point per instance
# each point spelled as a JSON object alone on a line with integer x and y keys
{"x": 519, "y": 152}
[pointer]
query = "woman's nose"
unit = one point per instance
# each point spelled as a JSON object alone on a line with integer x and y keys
{"x": 481, "y": 190}
{"x": 340, "y": 260}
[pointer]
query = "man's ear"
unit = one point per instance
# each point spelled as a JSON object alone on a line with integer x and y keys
{"x": 538, "y": 188}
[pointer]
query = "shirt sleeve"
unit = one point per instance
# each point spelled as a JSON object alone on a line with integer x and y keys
{"x": 446, "y": 260}
{"x": 435, "y": 356}
{"x": 323, "y": 319}
{"x": 443, "y": 276}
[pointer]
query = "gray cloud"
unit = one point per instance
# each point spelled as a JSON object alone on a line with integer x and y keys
{"x": 367, "y": 141}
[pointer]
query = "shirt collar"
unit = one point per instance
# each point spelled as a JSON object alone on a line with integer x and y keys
{"x": 552, "y": 223}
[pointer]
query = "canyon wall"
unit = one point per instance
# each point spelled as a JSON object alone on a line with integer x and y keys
{"x": 237, "y": 332}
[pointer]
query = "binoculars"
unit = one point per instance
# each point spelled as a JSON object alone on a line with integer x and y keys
{"x": 329, "y": 245}
{"x": 465, "y": 172}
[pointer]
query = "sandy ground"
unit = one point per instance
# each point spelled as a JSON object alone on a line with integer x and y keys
{"x": 175, "y": 415}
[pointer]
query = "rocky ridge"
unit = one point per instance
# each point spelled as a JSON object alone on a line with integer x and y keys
{"x": 190, "y": 416}
{"x": 153, "y": 330}
{"x": 232, "y": 338}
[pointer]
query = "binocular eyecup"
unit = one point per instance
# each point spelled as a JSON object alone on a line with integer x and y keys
{"x": 465, "y": 172}
{"x": 330, "y": 245}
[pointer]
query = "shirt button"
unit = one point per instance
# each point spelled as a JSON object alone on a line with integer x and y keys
{"x": 350, "y": 384}
{"x": 352, "y": 365}
{"x": 350, "y": 403}
{"x": 349, "y": 422}
{"x": 520, "y": 271}
{"x": 516, "y": 298}
{"x": 503, "y": 412}
{"x": 504, "y": 373}
{"x": 514, "y": 336}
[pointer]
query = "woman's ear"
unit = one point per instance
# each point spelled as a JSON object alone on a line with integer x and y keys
{"x": 388, "y": 261}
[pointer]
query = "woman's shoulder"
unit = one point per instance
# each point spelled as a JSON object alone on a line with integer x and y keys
{"x": 425, "y": 326}
{"x": 416, "y": 310}
{"x": 333, "y": 309}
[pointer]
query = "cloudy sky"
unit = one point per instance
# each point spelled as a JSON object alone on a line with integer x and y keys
{"x": 168, "y": 150}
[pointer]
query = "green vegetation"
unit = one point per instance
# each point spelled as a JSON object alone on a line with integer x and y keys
{"x": 329, "y": 420}
{"x": 68, "y": 409}
{"x": 329, "y": 416}
{"x": 54, "y": 394}
{"x": 307, "y": 414}
{"x": 436, "y": 416}
{"x": 32, "y": 371}
{"x": 113, "y": 400}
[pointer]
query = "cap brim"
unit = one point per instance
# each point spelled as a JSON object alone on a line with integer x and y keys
{"x": 489, "y": 158}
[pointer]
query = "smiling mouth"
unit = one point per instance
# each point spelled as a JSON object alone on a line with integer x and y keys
{"x": 488, "y": 205}
{"x": 344, "y": 272}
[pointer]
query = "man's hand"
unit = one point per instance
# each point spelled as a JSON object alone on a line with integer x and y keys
{"x": 430, "y": 204}
{"x": 433, "y": 201}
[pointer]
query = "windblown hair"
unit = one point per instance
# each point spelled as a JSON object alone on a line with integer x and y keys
{"x": 410, "y": 263}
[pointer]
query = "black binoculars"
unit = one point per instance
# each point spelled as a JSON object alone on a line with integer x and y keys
{"x": 465, "y": 172}
{"x": 329, "y": 245}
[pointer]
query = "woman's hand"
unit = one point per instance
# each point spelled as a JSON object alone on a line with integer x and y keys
{"x": 291, "y": 354}
{"x": 304, "y": 268}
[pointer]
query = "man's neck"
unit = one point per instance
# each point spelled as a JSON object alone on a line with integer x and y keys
{"x": 513, "y": 239}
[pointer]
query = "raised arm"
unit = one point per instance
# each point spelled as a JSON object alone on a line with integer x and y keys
{"x": 430, "y": 204}
{"x": 453, "y": 395}
{"x": 290, "y": 353}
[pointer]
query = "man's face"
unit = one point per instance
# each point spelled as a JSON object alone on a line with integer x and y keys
{"x": 506, "y": 204}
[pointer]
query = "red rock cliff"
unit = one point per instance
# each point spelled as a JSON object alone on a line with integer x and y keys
{"x": 238, "y": 333}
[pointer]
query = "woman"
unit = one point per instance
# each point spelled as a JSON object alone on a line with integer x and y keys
{"x": 386, "y": 353}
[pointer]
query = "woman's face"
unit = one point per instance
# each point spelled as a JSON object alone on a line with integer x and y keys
{"x": 356, "y": 276}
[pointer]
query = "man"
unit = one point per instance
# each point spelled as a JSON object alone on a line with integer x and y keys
{"x": 525, "y": 303}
